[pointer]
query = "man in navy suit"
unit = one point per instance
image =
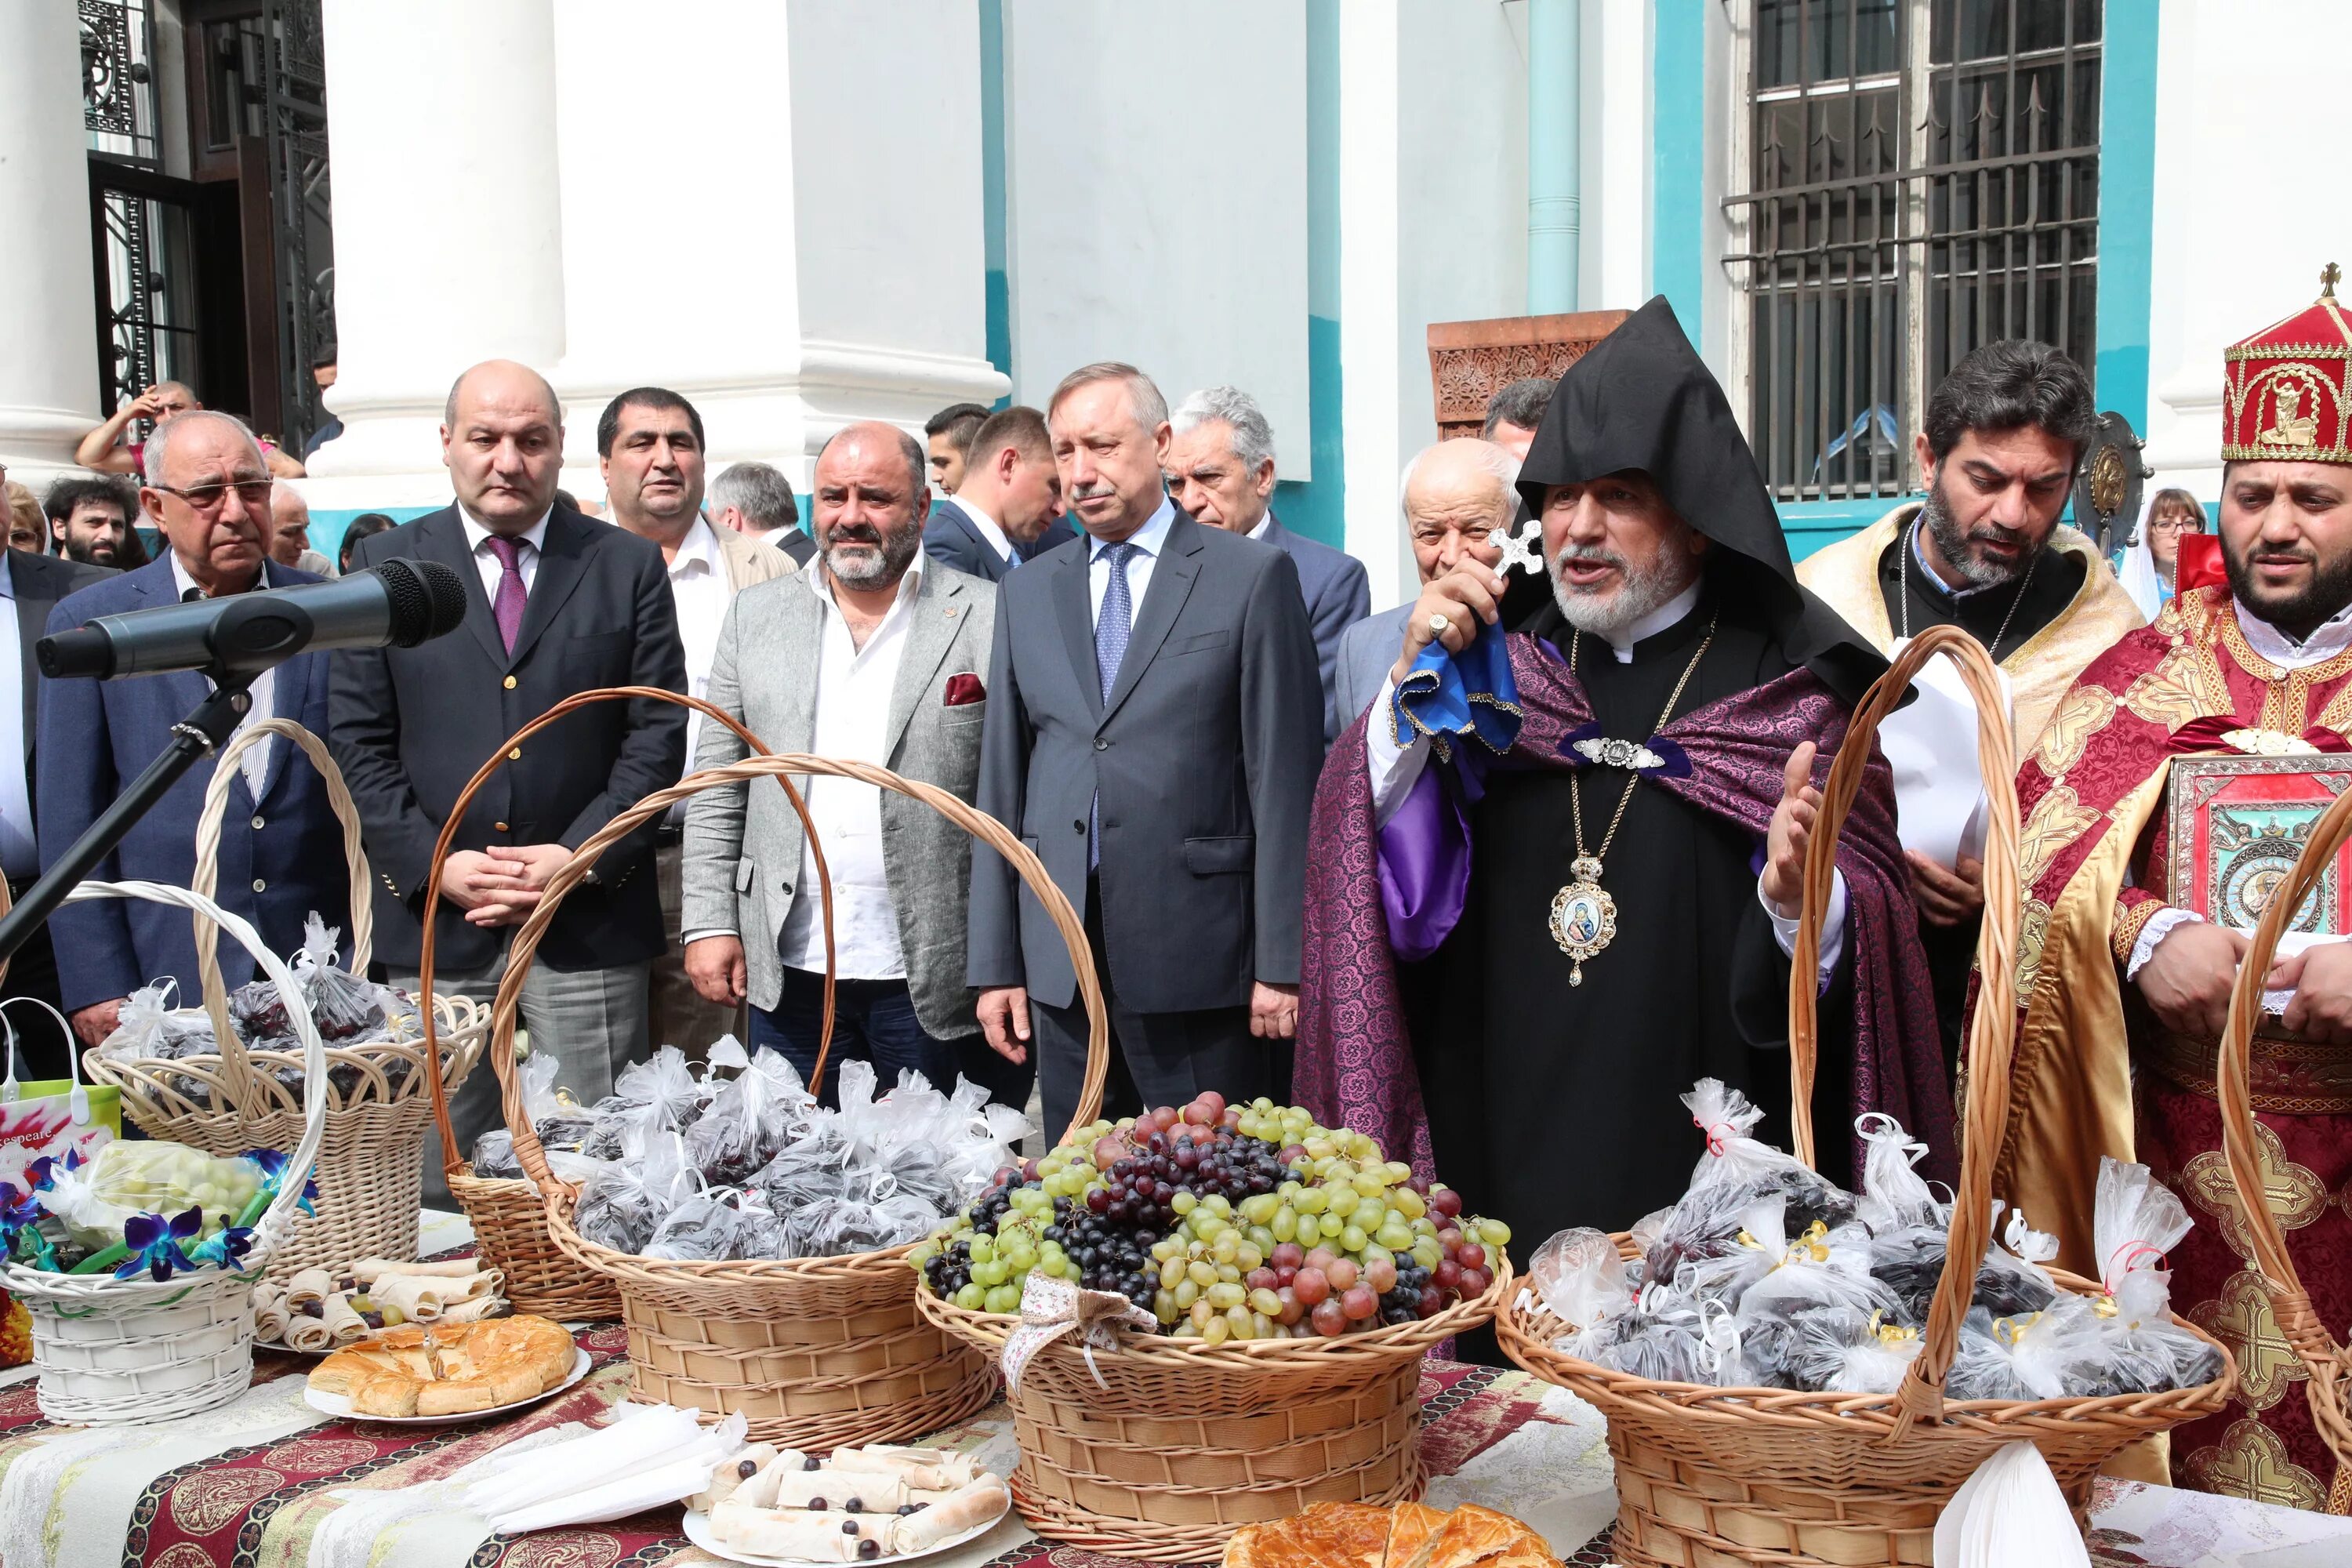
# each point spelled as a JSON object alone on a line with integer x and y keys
{"x": 281, "y": 855}
{"x": 1009, "y": 507}
{"x": 1220, "y": 470}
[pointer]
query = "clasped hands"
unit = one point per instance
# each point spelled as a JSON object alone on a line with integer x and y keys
{"x": 2186, "y": 983}
{"x": 500, "y": 886}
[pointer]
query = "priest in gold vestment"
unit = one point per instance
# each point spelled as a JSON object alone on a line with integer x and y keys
{"x": 2122, "y": 993}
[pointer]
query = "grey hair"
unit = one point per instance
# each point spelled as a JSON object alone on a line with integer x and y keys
{"x": 759, "y": 491}
{"x": 1253, "y": 437}
{"x": 1142, "y": 393}
{"x": 152, "y": 458}
{"x": 1496, "y": 462}
{"x": 917, "y": 460}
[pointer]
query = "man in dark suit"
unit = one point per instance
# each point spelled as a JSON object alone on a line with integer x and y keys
{"x": 31, "y": 586}
{"x": 1152, "y": 732}
{"x": 756, "y": 501}
{"x": 281, "y": 855}
{"x": 1220, "y": 470}
{"x": 557, "y": 604}
{"x": 1010, "y": 503}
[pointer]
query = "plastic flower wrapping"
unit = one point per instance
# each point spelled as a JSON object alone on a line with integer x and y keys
{"x": 1766, "y": 1276}
{"x": 737, "y": 1160}
{"x": 139, "y": 1210}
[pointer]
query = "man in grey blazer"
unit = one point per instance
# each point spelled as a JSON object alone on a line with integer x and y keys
{"x": 1456, "y": 496}
{"x": 1220, "y": 470}
{"x": 875, "y": 654}
{"x": 1154, "y": 731}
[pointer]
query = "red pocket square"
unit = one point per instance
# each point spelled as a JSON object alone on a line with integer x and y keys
{"x": 965, "y": 688}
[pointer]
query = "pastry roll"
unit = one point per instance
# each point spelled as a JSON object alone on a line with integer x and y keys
{"x": 269, "y": 1316}
{"x": 760, "y": 1491}
{"x": 309, "y": 1285}
{"x": 810, "y": 1537}
{"x": 309, "y": 1334}
{"x": 343, "y": 1326}
{"x": 728, "y": 1475}
{"x": 933, "y": 1469}
{"x": 843, "y": 1492}
{"x": 969, "y": 1506}
{"x": 367, "y": 1270}
{"x": 473, "y": 1312}
{"x": 422, "y": 1299}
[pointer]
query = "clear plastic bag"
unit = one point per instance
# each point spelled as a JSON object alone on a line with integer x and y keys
{"x": 125, "y": 1179}
{"x": 705, "y": 1229}
{"x": 749, "y": 1120}
{"x": 664, "y": 1088}
{"x": 1734, "y": 1155}
{"x": 1893, "y": 1195}
{"x": 1580, "y": 1276}
{"x": 761, "y": 1233}
{"x": 2136, "y": 1220}
{"x": 623, "y": 1203}
{"x": 1661, "y": 1337}
{"x": 1838, "y": 1350}
{"x": 1910, "y": 1261}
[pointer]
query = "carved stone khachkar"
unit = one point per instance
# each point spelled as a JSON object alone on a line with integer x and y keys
{"x": 1469, "y": 362}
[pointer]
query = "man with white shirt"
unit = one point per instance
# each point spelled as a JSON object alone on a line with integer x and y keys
{"x": 1010, "y": 506}
{"x": 1533, "y": 918}
{"x": 1153, "y": 734}
{"x": 649, "y": 447}
{"x": 208, "y": 489}
{"x": 557, "y": 605}
{"x": 1220, "y": 470}
{"x": 876, "y": 655}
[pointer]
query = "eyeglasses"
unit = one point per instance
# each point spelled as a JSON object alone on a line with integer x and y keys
{"x": 254, "y": 493}
{"x": 2177, "y": 524}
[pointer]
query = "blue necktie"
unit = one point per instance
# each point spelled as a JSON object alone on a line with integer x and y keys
{"x": 1111, "y": 629}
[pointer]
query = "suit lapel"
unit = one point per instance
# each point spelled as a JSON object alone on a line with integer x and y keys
{"x": 442, "y": 537}
{"x": 935, "y": 617}
{"x": 1172, "y": 576}
{"x": 561, "y": 565}
{"x": 1074, "y": 609}
{"x": 32, "y": 621}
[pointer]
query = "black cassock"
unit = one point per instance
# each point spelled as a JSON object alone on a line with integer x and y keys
{"x": 1553, "y": 1105}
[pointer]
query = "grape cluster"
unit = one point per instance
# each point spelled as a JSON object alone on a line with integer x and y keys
{"x": 1242, "y": 1222}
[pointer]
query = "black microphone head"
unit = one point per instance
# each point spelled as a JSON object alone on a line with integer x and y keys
{"x": 428, "y": 599}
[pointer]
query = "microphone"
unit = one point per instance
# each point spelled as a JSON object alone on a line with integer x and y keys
{"x": 398, "y": 603}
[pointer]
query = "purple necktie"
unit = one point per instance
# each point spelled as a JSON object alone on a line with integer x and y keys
{"x": 508, "y": 605}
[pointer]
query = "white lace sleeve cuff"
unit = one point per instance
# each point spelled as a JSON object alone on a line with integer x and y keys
{"x": 1784, "y": 930}
{"x": 2159, "y": 926}
{"x": 1391, "y": 764}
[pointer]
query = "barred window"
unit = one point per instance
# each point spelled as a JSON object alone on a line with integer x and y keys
{"x": 1921, "y": 178}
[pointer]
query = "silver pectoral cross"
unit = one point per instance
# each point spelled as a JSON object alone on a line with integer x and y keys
{"x": 1523, "y": 550}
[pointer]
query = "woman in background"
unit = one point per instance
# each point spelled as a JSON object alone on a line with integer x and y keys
{"x": 2148, "y": 561}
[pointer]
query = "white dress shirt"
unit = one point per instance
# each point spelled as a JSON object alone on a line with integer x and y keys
{"x": 1393, "y": 764}
{"x": 255, "y": 764}
{"x": 700, "y": 589}
{"x": 853, "y": 721}
{"x": 20, "y": 852}
{"x": 1258, "y": 530}
{"x": 990, "y": 528}
{"x": 486, "y": 562}
{"x": 1150, "y": 540}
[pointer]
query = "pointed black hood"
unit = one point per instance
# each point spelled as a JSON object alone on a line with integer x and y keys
{"x": 1642, "y": 398}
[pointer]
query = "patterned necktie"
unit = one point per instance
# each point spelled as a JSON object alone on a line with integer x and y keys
{"x": 507, "y": 605}
{"x": 1112, "y": 625}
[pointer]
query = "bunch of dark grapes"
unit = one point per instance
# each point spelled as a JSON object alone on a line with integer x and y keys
{"x": 1110, "y": 1255}
{"x": 993, "y": 1205}
{"x": 950, "y": 1270}
{"x": 1406, "y": 1302}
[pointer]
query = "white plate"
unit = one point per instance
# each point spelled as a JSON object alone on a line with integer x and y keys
{"x": 340, "y": 1404}
{"x": 698, "y": 1529}
{"x": 282, "y": 1348}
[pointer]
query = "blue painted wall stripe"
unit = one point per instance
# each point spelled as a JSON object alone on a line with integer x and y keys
{"x": 998, "y": 284}
{"x": 2127, "y": 209}
{"x": 1678, "y": 129}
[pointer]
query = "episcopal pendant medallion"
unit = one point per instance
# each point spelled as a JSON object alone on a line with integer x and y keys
{"x": 1583, "y": 916}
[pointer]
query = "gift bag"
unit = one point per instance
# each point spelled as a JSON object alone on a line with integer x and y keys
{"x": 49, "y": 1117}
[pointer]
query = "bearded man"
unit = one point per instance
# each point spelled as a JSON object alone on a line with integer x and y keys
{"x": 1983, "y": 551}
{"x": 2121, "y": 990}
{"x": 1533, "y": 912}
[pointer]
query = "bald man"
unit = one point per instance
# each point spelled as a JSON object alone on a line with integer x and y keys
{"x": 1456, "y": 496}
{"x": 556, "y": 605}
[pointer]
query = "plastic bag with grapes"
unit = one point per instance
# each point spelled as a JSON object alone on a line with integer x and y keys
{"x": 705, "y": 1229}
{"x": 2051, "y": 1354}
{"x": 1815, "y": 1267}
{"x": 1579, "y": 1275}
{"x": 624, "y": 1202}
{"x": 2136, "y": 1221}
{"x": 814, "y": 1165}
{"x": 1843, "y": 1350}
{"x": 750, "y": 1118}
{"x": 1661, "y": 1338}
{"x": 1893, "y": 1195}
{"x": 126, "y": 1179}
{"x": 561, "y": 1125}
{"x": 761, "y": 1233}
{"x": 659, "y": 1093}
{"x": 1910, "y": 1261}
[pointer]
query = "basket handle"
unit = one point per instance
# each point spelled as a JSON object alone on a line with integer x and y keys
{"x": 452, "y": 1157}
{"x": 203, "y": 879}
{"x": 973, "y": 820}
{"x": 1992, "y": 1031}
{"x": 2315, "y": 1346}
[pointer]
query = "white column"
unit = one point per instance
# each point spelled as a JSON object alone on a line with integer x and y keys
{"x": 49, "y": 366}
{"x": 1370, "y": 353}
{"x": 449, "y": 225}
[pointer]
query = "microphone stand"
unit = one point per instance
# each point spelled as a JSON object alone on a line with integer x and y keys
{"x": 200, "y": 734}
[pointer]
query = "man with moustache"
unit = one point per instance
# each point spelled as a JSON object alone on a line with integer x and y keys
{"x": 1546, "y": 827}
{"x": 2123, "y": 990}
{"x": 1983, "y": 549}
{"x": 650, "y": 449}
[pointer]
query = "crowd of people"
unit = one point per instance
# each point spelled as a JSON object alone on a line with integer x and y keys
{"x": 1318, "y": 852}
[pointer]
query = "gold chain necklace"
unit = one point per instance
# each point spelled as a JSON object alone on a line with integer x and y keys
{"x": 1583, "y": 915}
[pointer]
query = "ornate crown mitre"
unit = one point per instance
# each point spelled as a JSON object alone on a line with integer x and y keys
{"x": 2287, "y": 390}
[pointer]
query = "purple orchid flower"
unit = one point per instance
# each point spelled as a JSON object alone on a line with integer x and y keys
{"x": 273, "y": 1174}
{"x": 154, "y": 1244}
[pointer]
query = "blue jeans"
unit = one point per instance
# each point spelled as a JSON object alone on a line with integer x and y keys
{"x": 873, "y": 1020}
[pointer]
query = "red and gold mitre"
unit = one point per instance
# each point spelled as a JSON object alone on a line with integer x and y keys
{"x": 2287, "y": 391}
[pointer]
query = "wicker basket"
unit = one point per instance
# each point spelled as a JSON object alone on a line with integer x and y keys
{"x": 814, "y": 1352}
{"x": 115, "y": 1350}
{"x": 510, "y": 1222}
{"x": 1737, "y": 1478}
{"x": 371, "y": 1177}
{"x": 2328, "y": 1364}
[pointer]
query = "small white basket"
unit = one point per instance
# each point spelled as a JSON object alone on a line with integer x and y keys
{"x": 125, "y": 1350}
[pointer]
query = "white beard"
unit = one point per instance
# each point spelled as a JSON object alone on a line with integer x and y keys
{"x": 1638, "y": 595}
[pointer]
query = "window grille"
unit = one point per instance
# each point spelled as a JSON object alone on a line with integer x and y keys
{"x": 1921, "y": 177}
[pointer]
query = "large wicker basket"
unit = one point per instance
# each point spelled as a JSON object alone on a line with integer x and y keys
{"x": 814, "y": 1352}
{"x": 370, "y": 1176}
{"x": 1731, "y": 1478}
{"x": 115, "y": 1350}
{"x": 509, "y": 1220}
{"x": 2327, "y": 1363}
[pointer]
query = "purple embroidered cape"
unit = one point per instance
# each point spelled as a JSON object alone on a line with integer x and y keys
{"x": 1354, "y": 1062}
